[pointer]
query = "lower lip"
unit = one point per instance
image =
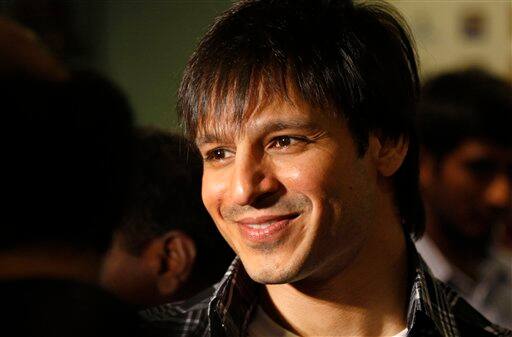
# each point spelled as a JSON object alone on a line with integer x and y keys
{"x": 264, "y": 234}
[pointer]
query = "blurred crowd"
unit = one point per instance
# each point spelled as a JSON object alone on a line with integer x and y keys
{"x": 464, "y": 124}
{"x": 101, "y": 217}
{"x": 104, "y": 218}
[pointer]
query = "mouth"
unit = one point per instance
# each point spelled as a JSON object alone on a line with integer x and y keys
{"x": 266, "y": 228}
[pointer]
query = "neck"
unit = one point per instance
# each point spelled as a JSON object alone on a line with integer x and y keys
{"x": 367, "y": 298}
{"x": 50, "y": 263}
{"x": 465, "y": 256}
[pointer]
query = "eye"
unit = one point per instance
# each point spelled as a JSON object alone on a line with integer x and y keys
{"x": 217, "y": 154}
{"x": 282, "y": 142}
{"x": 288, "y": 143}
{"x": 482, "y": 167}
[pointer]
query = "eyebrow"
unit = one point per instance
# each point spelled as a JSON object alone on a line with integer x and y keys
{"x": 209, "y": 138}
{"x": 279, "y": 125}
{"x": 272, "y": 126}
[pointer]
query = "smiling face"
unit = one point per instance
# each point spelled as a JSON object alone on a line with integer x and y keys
{"x": 288, "y": 191}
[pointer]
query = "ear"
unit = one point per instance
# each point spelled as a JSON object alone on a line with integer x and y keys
{"x": 388, "y": 154}
{"x": 177, "y": 259}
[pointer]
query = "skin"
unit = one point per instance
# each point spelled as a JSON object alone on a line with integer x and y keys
{"x": 468, "y": 195}
{"x": 131, "y": 277}
{"x": 156, "y": 276}
{"x": 340, "y": 252}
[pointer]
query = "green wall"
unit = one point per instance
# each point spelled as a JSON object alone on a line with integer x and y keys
{"x": 144, "y": 46}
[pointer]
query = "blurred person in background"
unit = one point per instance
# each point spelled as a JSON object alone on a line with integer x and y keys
{"x": 22, "y": 53}
{"x": 66, "y": 157}
{"x": 167, "y": 248}
{"x": 465, "y": 121}
{"x": 506, "y": 238}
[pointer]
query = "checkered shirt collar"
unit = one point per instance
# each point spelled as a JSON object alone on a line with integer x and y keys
{"x": 430, "y": 300}
{"x": 429, "y": 304}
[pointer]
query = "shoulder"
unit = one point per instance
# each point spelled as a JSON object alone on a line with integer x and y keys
{"x": 186, "y": 318}
{"x": 469, "y": 321}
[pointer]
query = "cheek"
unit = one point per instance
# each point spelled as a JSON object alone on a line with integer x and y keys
{"x": 309, "y": 176}
{"x": 128, "y": 276}
{"x": 325, "y": 187}
{"x": 213, "y": 191}
{"x": 213, "y": 188}
{"x": 461, "y": 187}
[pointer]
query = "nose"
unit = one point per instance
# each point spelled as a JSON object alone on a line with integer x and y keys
{"x": 253, "y": 178}
{"x": 499, "y": 192}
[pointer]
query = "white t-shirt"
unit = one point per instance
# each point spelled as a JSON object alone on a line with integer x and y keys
{"x": 264, "y": 326}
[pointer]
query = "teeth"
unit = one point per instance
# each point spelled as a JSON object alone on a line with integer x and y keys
{"x": 260, "y": 225}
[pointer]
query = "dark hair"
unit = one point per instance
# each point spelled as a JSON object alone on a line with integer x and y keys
{"x": 165, "y": 196}
{"x": 356, "y": 61}
{"x": 66, "y": 153}
{"x": 464, "y": 104}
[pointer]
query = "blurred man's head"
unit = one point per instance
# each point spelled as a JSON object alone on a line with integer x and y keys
{"x": 466, "y": 171}
{"x": 167, "y": 247}
{"x": 66, "y": 146}
{"x": 66, "y": 149}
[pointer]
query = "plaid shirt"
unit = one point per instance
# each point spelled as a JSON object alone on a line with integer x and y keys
{"x": 226, "y": 309}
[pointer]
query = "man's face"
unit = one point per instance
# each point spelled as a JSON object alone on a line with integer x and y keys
{"x": 288, "y": 192}
{"x": 471, "y": 189}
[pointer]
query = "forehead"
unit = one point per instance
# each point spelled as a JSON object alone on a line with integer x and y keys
{"x": 270, "y": 115}
{"x": 233, "y": 105}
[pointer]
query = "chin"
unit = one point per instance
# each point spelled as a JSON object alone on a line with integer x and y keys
{"x": 271, "y": 276}
{"x": 273, "y": 270}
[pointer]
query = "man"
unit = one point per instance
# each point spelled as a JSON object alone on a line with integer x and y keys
{"x": 466, "y": 176}
{"x": 162, "y": 250}
{"x": 66, "y": 148}
{"x": 302, "y": 111}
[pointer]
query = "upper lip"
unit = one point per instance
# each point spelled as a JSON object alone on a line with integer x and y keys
{"x": 265, "y": 219}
